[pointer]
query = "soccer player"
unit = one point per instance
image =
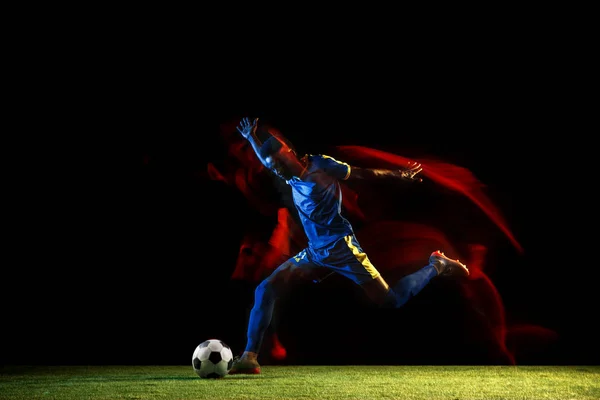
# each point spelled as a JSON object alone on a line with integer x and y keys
{"x": 316, "y": 192}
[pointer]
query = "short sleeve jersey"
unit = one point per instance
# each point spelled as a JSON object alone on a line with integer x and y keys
{"x": 318, "y": 198}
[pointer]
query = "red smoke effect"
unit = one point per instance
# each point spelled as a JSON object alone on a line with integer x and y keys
{"x": 257, "y": 258}
{"x": 448, "y": 175}
{"x": 395, "y": 247}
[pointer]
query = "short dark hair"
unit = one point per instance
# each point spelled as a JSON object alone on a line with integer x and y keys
{"x": 272, "y": 145}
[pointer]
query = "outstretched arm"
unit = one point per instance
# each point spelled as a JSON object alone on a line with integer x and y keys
{"x": 248, "y": 131}
{"x": 408, "y": 174}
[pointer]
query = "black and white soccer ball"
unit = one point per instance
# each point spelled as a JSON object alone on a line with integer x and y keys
{"x": 212, "y": 359}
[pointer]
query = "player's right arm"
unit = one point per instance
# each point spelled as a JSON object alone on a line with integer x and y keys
{"x": 345, "y": 171}
{"x": 248, "y": 130}
{"x": 410, "y": 173}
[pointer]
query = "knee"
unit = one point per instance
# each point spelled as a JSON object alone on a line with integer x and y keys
{"x": 395, "y": 299}
{"x": 389, "y": 301}
{"x": 377, "y": 291}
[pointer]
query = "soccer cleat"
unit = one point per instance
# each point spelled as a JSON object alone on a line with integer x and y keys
{"x": 245, "y": 366}
{"x": 446, "y": 266}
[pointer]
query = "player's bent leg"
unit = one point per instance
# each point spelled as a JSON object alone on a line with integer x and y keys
{"x": 410, "y": 285}
{"x": 382, "y": 295}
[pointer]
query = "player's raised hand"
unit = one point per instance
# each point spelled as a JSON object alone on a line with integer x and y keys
{"x": 246, "y": 127}
{"x": 410, "y": 173}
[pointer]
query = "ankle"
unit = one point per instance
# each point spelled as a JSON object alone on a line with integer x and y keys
{"x": 249, "y": 355}
{"x": 437, "y": 266}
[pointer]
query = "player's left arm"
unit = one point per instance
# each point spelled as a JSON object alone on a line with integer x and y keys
{"x": 248, "y": 130}
{"x": 409, "y": 174}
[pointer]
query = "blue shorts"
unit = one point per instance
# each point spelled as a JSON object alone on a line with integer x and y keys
{"x": 344, "y": 256}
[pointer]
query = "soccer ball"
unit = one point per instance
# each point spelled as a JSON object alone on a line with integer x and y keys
{"x": 212, "y": 359}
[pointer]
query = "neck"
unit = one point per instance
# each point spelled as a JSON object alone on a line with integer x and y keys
{"x": 302, "y": 165}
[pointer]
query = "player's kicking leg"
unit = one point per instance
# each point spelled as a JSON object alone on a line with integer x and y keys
{"x": 408, "y": 287}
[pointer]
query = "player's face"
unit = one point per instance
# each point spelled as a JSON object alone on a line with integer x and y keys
{"x": 281, "y": 163}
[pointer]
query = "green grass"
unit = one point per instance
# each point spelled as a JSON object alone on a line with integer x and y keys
{"x": 303, "y": 382}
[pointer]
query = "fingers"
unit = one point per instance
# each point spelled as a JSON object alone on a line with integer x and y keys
{"x": 245, "y": 122}
{"x": 415, "y": 167}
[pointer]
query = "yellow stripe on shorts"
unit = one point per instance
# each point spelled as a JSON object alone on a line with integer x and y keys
{"x": 362, "y": 258}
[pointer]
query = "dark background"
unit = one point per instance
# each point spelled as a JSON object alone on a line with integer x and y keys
{"x": 120, "y": 250}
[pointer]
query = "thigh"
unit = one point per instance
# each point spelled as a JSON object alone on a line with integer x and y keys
{"x": 298, "y": 267}
{"x": 347, "y": 258}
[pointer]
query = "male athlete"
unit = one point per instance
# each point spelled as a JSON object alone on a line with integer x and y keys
{"x": 316, "y": 191}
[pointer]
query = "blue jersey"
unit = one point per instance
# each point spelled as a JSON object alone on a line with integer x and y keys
{"x": 318, "y": 198}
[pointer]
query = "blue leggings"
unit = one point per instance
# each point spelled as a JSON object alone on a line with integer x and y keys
{"x": 261, "y": 314}
{"x": 266, "y": 294}
{"x": 409, "y": 286}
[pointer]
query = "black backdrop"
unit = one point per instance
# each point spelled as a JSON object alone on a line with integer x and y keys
{"x": 121, "y": 250}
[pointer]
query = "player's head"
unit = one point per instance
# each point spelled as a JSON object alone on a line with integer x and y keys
{"x": 280, "y": 157}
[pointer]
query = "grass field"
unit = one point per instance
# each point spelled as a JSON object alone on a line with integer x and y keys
{"x": 303, "y": 382}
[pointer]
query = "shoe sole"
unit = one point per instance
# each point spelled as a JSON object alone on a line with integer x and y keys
{"x": 245, "y": 371}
